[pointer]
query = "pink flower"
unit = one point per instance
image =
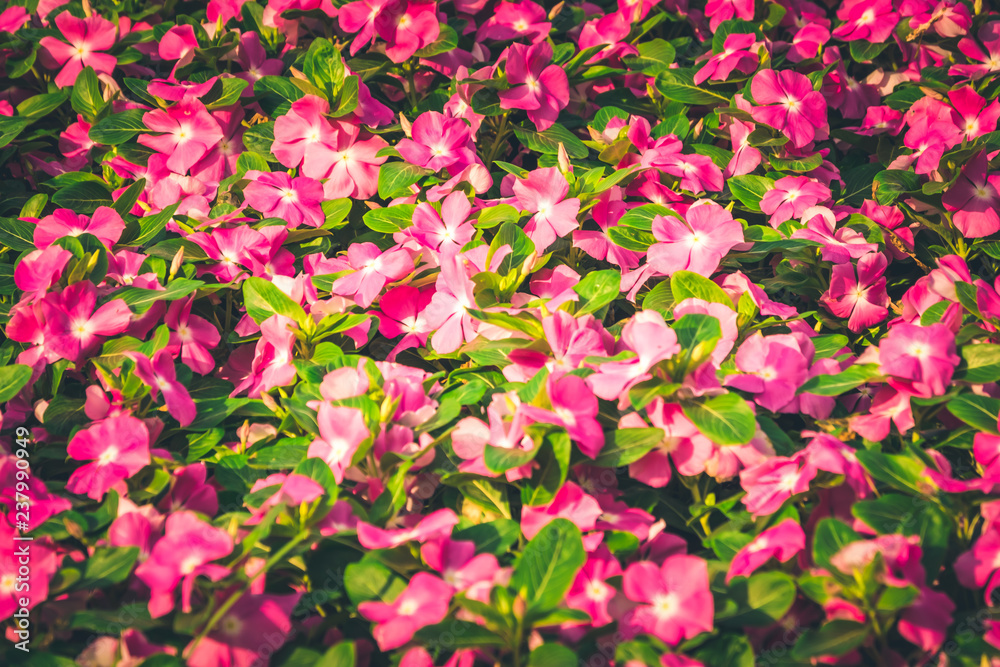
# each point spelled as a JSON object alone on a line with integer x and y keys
{"x": 450, "y": 227}
{"x": 292, "y": 490}
{"x": 839, "y": 245}
{"x": 697, "y": 243}
{"x": 418, "y": 528}
{"x": 178, "y": 43}
{"x": 87, "y": 37}
{"x": 979, "y": 566}
{"x": 118, "y": 447}
{"x": 974, "y": 199}
{"x": 278, "y": 195}
{"x": 459, "y": 565}
{"x": 862, "y": 297}
{"x": 438, "y": 142}
{"x": 341, "y": 431}
{"x": 972, "y": 114}
{"x": 184, "y": 553}
{"x": 725, "y": 10}
{"x": 734, "y": 56}
{"x": 888, "y": 407}
{"x": 271, "y": 365}
{"x": 254, "y": 623}
{"x": 773, "y": 481}
{"x": 871, "y": 20}
{"x": 570, "y": 502}
{"x": 919, "y": 360}
{"x": 782, "y": 542}
{"x": 989, "y": 36}
{"x": 424, "y": 602}
{"x": 682, "y": 442}
{"x": 513, "y": 21}
{"x": 75, "y": 324}
{"x": 646, "y": 334}
{"x": 773, "y": 367}
{"x": 590, "y": 592}
{"x": 537, "y": 86}
{"x": 678, "y": 602}
{"x": 105, "y": 224}
{"x": 193, "y": 336}
{"x": 39, "y": 270}
{"x": 543, "y": 193}
{"x": 186, "y": 133}
{"x": 407, "y": 26}
{"x": 791, "y": 196}
{"x": 160, "y": 375}
{"x": 574, "y": 407}
{"x": 403, "y": 314}
{"x": 359, "y": 17}
{"x": 789, "y": 103}
{"x": 46, "y": 559}
{"x": 373, "y": 270}
{"x": 446, "y": 313}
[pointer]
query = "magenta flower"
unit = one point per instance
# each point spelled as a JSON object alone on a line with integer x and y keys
{"x": 543, "y": 193}
{"x": 590, "y": 591}
{"x": 773, "y": 368}
{"x": 987, "y": 60}
{"x": 184, "y": 553}
{"x": 186, "y": 132}
{"x": 512, "y": 21}
{"x": 373, "y": 270}
{"x": 979, "y": 566}
{"x": 782, "y": 542}
{"x": 537, "y": 86}
{"x": 677, "y": 603}
{"x": 278, "y": 195}
{"x": 972, "y": 114}
{"x": 773, "y": 481}
{"x": 403, "y": 314}
{"x": 418, "y": 528}
{"x": 407, "y": 26}
{"x": 646, "y": 334}
{"x": 271, "y": 365}
{"x": 919, "y": 360}
{"x": 860, "y": 296}
{"x": 735, "y": 56}
{"x": 871, "y": 20}
{"x": 789, "y": 103}
{"x": 697, "y": 243}
{"x": 424, "y": 602}
{"x": 459, "y": 565}
{"x": 118, "y": 447}
{"x": 574, "y": 407}
{"x": 438, "y": 142}
{"x": 292, "y": 490}
{"x": 76, "y": 326}
{"x": 446, "y": 313}
{"x": 86, "y": 38}
{"x": 193, "y": 336}
{"x": 160, "y": 375}
{"x": 974, "y": 199}
{"x": 256, "y": 623}
{"x": 839, "y": 245}
{"x": 450, "y": 227}
{"x": 682, "y": 442}
{"x": 341, "y": 431}
{"x": 570, "y": 502}
{"x": 718, "y": 11}
{"x": 39, "y": 270}
{"x": 105, "y": 224}
{"x": 791, "y": 196}
{"x": 359, "y": 17}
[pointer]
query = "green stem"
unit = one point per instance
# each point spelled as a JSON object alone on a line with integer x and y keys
{"x": 497, "y": 141}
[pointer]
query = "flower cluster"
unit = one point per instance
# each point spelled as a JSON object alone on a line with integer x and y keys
{"x": 421, "y": 333}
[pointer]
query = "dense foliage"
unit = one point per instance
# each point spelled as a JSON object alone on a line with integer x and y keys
{"x": 406, "y": 332}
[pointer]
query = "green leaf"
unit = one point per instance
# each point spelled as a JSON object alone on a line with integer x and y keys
{"x": 892, "y": 183}
{"x": 462, "y": 634}
{"x": 835, "y": 638}
{"x": 495, "y": 215}
{"x": 895, "y": 513}
{"x": 631, "y": 238}
{"x": 108, "y": 566}
{"x": 141, "y": 299}
{"x": 660, "y": 299}
{"x": 979, "y": 412}
{"x": 627, "y": 445}
{"x": 17, "y": 234}
{"x": 84, "y": 197}
{"x": 41, "y": 105}
{"x": 548, "y": 141}
{"x": 725, "y": 419}
{"x": 655, "y": 56}
{"x": 370, "y": 580}
{"x": 897, "y": 470}
{"x": 390, "y": 219}
{"x": 126, "y": 200}
{"x": 642, "y": 216}
{"x": 151, "y": 225}
{"x": 837, "y": 384}
{"x": 324, "y": 66}
{"x": 597, "y": 290}
{"x": 749, "y": 189}
{"x": 263, "y": 299}
{"x": 446, "y": 41}
{"x": 548, "y": 565}
{"x": 762, "y": 600}
{"x": 863, "y": 51}
{"x": 86, "y": 98}
{"x": 118, "y": 128}
{"x": 502, "y": 459}
{"x": 687, "y": 285}
{"x": 980, "y": 365}
{"x": 678, "y": 85}
{"x": 13, "y": 378}
{"x": 830, "y": 537}
{"x": 395, "y": 179}
{"x": 494, "y": 537}
{"x": 552, "y": 655}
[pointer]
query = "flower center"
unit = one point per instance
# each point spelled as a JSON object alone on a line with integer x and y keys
{"x": 108, "y": 457}
{"x": 666, "y": 605}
